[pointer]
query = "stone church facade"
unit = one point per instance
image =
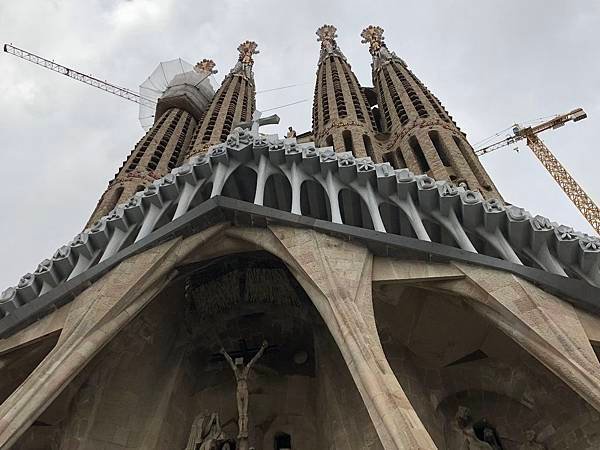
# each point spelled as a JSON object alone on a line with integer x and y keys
{"x": 359, "y": 286}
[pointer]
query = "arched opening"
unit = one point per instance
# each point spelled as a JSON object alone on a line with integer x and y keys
{"x": 299, "y": 387}
{"x": 438, "y": 233}
{"x": 348, "y": 144}
{"x": 418, "y": 152}
{"x": 368, "y": 145}
{"x": 283, "y": 441}
{"x": 329, "y": 141}
{"x": 440, "y": 147}
{"x": 455, "y": 362}
{"x": 241, "y": 185}
{"x": 202, "y": 195}
{"x": 314, "y": 201}
{"x": 116, "y": 199}
{"x": 354, "y": 210}
{"x": 395, "y": 220}
{"x": 278, "y": 193}
{"x": 470, "y": 158}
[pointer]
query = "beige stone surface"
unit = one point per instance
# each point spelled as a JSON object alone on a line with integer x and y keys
{"x": 52, "y": 323}
{"x": 397, "y": 271}
{"x": 403, "y": 394}
{"x": 545, "y": 326}
{"x": 337, "y": 277}
{"x": 94, "y": 318}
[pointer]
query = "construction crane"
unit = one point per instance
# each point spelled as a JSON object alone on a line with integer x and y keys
{"x": 122, "y": 92}
{"x": 574, "y": 191}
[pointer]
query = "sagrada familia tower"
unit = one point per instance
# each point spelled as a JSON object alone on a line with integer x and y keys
{"x": 362, "y": 285}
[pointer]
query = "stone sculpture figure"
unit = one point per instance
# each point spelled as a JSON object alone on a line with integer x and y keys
{"x": 463, "y": 436}
{"x": 241, "y": 378}
{"x": 489, "y": 436}
{"x": 205, "y": 433}
{"x": 291, "y": 133}
{"x": 530, "y": 442}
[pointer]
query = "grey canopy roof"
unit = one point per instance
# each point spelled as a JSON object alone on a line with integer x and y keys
{"x": 302, "y": 180}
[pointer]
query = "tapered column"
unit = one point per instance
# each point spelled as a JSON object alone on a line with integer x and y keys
{"x": 162, "y": 148}
{"x": 416, "y": 122}
{"x": 337, "y": 276}
{"x": 154, "y": 156}
{"x": 233, "y": 103}
{"x": 341, "y": 114}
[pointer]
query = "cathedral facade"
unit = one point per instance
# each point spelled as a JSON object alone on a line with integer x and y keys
{"x": 362, "y": 285}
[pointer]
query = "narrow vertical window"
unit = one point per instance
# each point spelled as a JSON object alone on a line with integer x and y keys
{"x": 440, "y": 148}
{"x": 418, "y": 151}
{"x": 368, "y": 145}
{"x": 347, "y": 136}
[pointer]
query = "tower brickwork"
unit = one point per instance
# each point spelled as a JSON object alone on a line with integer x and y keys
{"x": 178, "y": 111}
{"x": 421, "y": 134}
{"x": 341, "y": 115}
{"x": 233, "y": 103}
{"x": 153, "y": 156}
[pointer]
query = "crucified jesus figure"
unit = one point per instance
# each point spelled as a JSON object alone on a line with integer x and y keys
{"x": 241, "y": 378}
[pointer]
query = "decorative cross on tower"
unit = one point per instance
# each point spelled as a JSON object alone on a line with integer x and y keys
{"x": 257, "y": 122}
{"x": 327, "y": 35}
{"x": 206, "y": 65}
{"x": 247, "y": 49}
{"x": 373, "y": 35}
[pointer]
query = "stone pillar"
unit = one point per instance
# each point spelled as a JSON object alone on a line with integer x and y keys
{"x": 233, "y": 103}
{"x": 340, "y": 111}
{"x": 410, "y": 109}
{"x": 336, "y": 275}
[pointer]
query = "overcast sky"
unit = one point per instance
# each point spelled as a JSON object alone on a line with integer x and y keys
{"x": 492, "y": 63}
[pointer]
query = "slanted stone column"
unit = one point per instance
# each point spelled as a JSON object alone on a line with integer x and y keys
{"x": 545, "y": 326}
{"x": 337, "y": 277}
{"x": 94, "y": 318}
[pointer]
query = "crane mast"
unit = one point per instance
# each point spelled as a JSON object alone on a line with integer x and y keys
{"x": 570, "y": 187}
{"x": 574, "y": 191}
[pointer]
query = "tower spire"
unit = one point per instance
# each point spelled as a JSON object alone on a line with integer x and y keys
{"x": 421, "y": 134}
{"x": 233, "y": 103}
{"x": 179, "y": 108}
{"x": 373, "y": 35}
{"x": 327, "y": 35}
{"x": 341, "y": 114}
{"x": 245, "y": 60}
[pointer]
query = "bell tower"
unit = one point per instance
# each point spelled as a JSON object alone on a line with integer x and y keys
{"x": 160, "y": 150}
{"x": 421, "y": 134}
{"x": 341, "y": 115}
{"x": 233, "y": 103}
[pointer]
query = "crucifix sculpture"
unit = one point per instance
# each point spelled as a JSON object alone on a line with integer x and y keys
{"x": 241, "y": 373}
{"x": 258, "y": 121}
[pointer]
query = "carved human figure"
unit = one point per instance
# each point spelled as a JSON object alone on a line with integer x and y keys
{"x": 205, "y": 432}
{"x": 463, "y": 436}
{"x": 241, "y": 378}
{"x": 291, "y": 133}
{"x": 489, "y": 436}
{"x": 530, "y": 442}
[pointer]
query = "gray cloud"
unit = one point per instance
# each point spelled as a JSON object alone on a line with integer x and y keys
{"x": 491, "y": 64}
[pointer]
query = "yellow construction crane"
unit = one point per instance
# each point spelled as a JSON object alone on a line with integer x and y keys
{"x": 580, "y": 199}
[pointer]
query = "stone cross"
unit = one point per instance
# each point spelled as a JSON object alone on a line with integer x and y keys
{"x": 257, "y": 122}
